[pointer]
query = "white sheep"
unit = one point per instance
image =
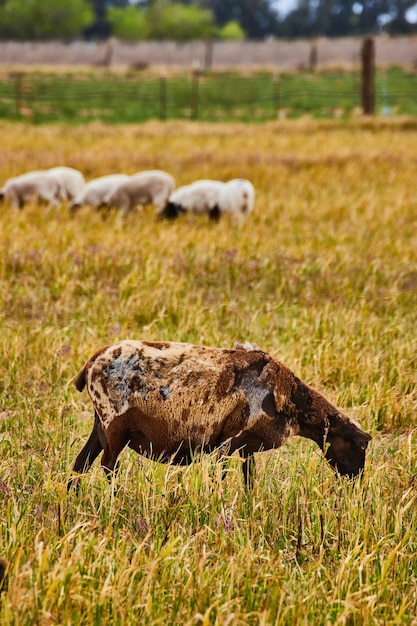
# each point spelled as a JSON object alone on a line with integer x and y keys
{"x": 38, "y": 185}
{"x": 148, "y": 187}
{"x": 237, "y": 198}
{"x": 200, "y": 197}
{"x": 213, "y": 198}
{"x": 55, "y": 185}
{"x": 71, "y": 181}
{"x": 95, "y": 191}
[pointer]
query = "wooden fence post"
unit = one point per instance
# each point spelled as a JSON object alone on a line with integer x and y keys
{"x": 368, "y": 76}
{"x": 314, "y": 55}
{"x": 208, "y": 57}
{"x": 195, "y": 94}
{"x": 162, "y": 98}
{"x": 18, "y": 92}
{"x": 276, "y": 94}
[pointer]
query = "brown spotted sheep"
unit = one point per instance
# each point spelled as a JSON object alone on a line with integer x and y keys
{"x": 170, "y": 401}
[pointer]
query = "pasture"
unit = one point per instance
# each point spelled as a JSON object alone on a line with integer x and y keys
{"x": 130, "y": 96}
{"x": 322, "y": 275}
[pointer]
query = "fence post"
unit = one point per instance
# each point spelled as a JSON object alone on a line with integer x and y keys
{"x": 208, "y": 57}
{"x": 368, "y": 76}
{"x": 162, "y": 98}
{"x": 108, "y": 53}
{"x": 18, "y": 92}
{"x": 314, "y": 55}
{"x": 276, "y": 94}
{"x": 195, "y": 94}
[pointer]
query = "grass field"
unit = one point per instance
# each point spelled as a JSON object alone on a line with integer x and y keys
{"x": 125, "y": 97}
{"x": 323, "y": 275}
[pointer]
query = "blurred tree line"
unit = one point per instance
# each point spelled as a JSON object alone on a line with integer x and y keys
{"x": 348, "y": 17}
{"x": 200, "y": 19}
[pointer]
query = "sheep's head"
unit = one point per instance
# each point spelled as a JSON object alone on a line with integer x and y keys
{"x": 171, "y": 210}
{"x": 215, "y": 213}
{"x": 346, "y": 450}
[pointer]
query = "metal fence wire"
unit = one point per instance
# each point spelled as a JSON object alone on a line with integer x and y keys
{"x": 210, "y": 96}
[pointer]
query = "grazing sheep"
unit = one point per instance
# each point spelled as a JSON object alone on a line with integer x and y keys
{"x": 149, "y": 187}
{"x": 170, "y": 401}
{"x": 237, "y": 198}
{"x": 200, "y": 197}
{"x": 39, "y": 185}
{"x": 54, "y": 186}
{"x": 212, "y": 197}
{"x": 71, "y": 181}
{"x": 95, "y": 191}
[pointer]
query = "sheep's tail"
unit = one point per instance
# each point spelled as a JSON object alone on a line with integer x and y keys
{"x": 80, "y": 380}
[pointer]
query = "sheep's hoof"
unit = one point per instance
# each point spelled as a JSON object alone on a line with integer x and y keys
{"x": 73, "y": 483}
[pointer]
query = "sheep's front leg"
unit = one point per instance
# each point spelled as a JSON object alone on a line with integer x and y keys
{"x": 17, "y": 201}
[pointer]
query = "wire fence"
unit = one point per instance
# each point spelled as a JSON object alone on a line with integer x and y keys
{"x": 200, "y": 96}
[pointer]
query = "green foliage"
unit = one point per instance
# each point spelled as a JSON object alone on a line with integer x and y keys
{"x": 257, "y": 18}
{"x": 44, "y": 19}
{"x": 194, "y": 19}
{"x": 177, "y": 22}
{"x": 231, "y": 30}
{"x": 128, "y": 23}
{"x": 161, "y": 20}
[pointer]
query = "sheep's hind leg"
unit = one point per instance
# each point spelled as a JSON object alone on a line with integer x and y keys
{"x": 17, "y": 201}
{"x": 89, "y": 453}
{"x": 248, "y": 468}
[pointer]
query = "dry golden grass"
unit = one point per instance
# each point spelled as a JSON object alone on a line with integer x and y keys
{"x": 323, "y": 275}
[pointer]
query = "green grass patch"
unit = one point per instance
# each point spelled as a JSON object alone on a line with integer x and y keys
{"x": 136, "y": 97}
